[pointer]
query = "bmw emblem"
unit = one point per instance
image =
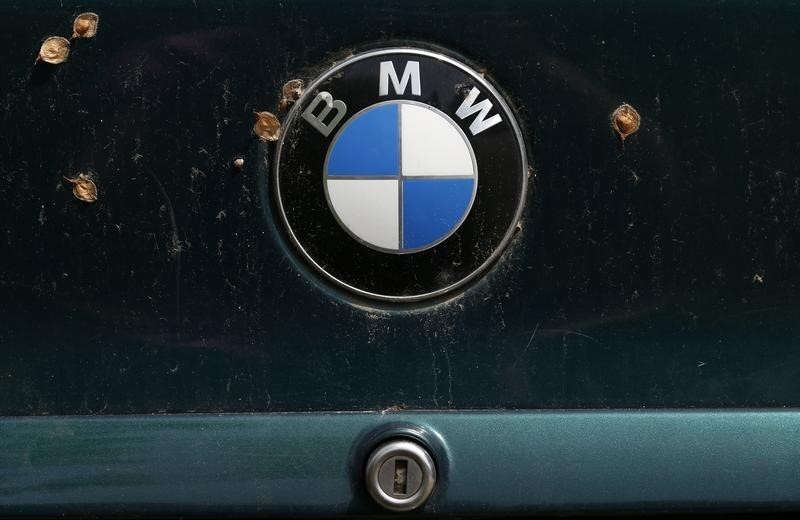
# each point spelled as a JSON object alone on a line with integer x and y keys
{"x": 400, "y": 174}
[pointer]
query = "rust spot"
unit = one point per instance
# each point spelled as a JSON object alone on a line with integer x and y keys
{"x": 290, "y": 93}
{"x": 238, "y": 163}
{"x": 85, "y": 25}
{"x": 625, "y": 120}
{"x": 267, "y": 126}
{"x": 83, "y": 187}
{"x": 54, "y": 50}
{"x": 394, "y": 408}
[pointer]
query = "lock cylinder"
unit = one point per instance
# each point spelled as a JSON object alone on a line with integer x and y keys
{"x": 400, "y": 475}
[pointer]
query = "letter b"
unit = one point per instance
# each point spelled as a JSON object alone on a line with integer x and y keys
{"x": 318, "y": 121}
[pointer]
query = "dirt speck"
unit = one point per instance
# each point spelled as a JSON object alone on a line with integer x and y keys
{"x": 267, "y": 126}
{"x": 85, "y": 25}
{"x": 54, "y": 50}
{"x": 625, "y": 120}
{"x": 290, "y": 93}
{"x": 83, "y": 188}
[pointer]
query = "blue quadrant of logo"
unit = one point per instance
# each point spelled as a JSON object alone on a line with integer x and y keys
{"x": 432, "y": 207}
{"x": 368, "y": 145}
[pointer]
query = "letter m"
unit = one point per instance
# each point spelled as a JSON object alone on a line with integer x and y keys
{"x": 410, "y": 74}
{"x": 483, "y": 108}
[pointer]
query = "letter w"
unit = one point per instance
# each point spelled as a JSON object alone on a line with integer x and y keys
{"x": 484, "y": 107}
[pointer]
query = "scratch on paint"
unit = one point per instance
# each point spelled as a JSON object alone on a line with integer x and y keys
{"x": 176, "y": 247}
{"x": 567, "y": 332}
{"x": 435, "y": 378}
{"x": 533, "y": 336}
{"x": 449, "y": 378}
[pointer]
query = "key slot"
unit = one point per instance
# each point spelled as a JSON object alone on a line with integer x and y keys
{"x": 400, "y": 477}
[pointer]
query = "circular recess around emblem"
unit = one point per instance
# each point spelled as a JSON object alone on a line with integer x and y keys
{"x": 400, "y": 174}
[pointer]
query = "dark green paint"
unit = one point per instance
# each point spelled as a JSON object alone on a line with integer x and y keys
{"x": 631, "y": 284}
{"x": 291, "y": 464}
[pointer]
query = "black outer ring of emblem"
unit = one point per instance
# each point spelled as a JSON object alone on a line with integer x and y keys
{"x": 470, "y": 250}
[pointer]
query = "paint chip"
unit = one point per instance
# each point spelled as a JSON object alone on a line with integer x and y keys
{"x": 83, "y": 188}
{"x": 267, "y": 126}
{"x": 54, "y": 50}
{"x": 625, "y": 120}
{"x": 85, "y": 25}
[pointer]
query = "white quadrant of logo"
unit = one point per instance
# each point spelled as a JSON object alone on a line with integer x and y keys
{"x": 400, "y": 176}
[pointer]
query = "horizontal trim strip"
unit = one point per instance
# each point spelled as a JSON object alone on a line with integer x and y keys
{"x": 499, "y": 462}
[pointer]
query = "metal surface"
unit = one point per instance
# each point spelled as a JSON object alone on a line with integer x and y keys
{"x": 293, "y": 464}
{"x": 662, "y": 273}
{"x": 400, "y": 475}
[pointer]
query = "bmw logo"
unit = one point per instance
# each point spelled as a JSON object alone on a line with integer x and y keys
{"x": 400, "y": 174}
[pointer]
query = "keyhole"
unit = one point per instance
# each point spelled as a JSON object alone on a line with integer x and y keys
{"x": 400, "y": 477}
